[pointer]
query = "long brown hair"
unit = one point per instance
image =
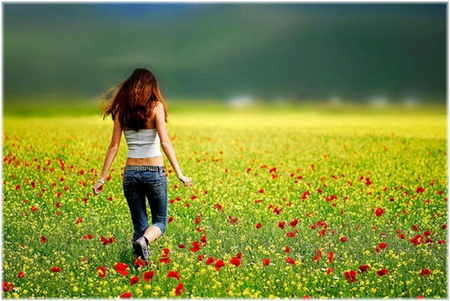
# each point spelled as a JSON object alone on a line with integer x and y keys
{"x": 134, "y": 99}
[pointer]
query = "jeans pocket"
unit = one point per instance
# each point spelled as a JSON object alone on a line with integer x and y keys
{"x": 151, "y": 177}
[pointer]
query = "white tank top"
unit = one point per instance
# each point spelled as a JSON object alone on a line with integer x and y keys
{"x": 143, "y": 143}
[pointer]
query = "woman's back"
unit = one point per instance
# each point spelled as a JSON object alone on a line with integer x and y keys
{"x": 144, "y": 143}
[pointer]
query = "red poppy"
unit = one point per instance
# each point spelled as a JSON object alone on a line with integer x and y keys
{"x": 350, "y": 276}
{"x": 417, "y": 240}
{"x": 139, "y": 263}
{"x": 382, "y": 245}
{"x": 43, "y": 239}
{"x": 290, "y": 234}
{"x": 121, "y": 268}
{"x": 218, "y": 207}
{"x": 7, "y": 286}
{"x": 235, "y": 261}
{"x": 330, "y": 270}
{"x": 210, "y": 260}
{"x": 379, "y": 212}
{"x": 290, "y": 260}
{"x": 382, "y": 272}
{"x": 148, "y": 276}
{"x": 87, "y": 236}
{"x": 258, "y": 225}
{"x": 181, "y": 246}
{"x": 179, "y": 289}
{"x": 281, "y": 225}
{"x": 318, "y": 255}
{"x": 21, "y": 274}
{"x": 126, "y": 295}
{"x": 287, "y": 249}
{"x": 164, "y": 260}
{"x": 195, "y": 246}
{"x": 101, "y": 271}
{"x": 420, "y": 190}
{"x": 233, "y": 220}
{"x": 106, "y": 241}
{"x": 293, "y": 223}
{"x": 305, "y": 195}
{"x": 78, "y": 221}
{"x": 165, "y": 256}
{"x": 343, "y": 239}
{"x": 322, "y": 224}
{"x": 55, "y": 269}
{"x": 425, "y": 272}
{"x": 219, "y": 264}
{"x": 330, "y": 256}
{"x": 364, "y": 268}
{"x": 266, "y": 261}
{"x": 134, "y": 280}
{"x": 173, "y": 274}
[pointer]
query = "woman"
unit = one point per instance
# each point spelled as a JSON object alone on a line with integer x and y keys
{"x": 138, "y": 110}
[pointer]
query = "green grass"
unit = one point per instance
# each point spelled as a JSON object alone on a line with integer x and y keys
{"x": 328, "y": 168}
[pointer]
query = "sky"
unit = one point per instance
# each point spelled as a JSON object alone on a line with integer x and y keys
{"x": 259, "y": 50}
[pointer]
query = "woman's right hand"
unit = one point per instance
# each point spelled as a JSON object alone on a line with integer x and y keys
{"x": 186, "y": 181}
{"x": 98, "y": 187}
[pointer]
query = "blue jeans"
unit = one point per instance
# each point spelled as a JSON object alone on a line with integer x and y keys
{"x": 139, "y": 183}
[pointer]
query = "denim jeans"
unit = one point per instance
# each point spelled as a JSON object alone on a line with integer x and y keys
{"x": 141, "y": 185}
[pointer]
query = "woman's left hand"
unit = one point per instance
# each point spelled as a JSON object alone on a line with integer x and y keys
{"x": 186, "y": 181}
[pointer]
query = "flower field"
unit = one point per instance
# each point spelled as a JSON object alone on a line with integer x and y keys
{"x": 288, "y": 205}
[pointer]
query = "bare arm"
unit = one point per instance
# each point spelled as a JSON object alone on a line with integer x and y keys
{"x": 110, "y": 155}
{"x": 166, "y": 145}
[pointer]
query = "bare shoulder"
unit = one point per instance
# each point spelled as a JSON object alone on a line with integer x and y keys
{"x": 159, "y": 106}
{"x": 159, "y": 110}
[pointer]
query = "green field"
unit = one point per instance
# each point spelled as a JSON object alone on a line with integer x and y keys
{"x": 287, "y": 202}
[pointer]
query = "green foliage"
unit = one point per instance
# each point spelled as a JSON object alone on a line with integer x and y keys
{"x": 278, "y": 188}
